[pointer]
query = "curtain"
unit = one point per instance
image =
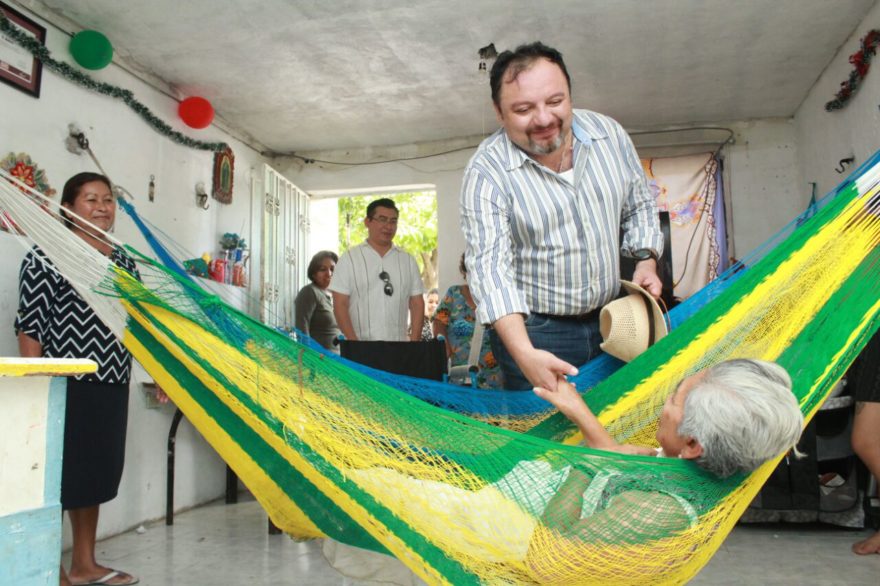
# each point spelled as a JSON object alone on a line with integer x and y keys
{"x": 690, "y": 189}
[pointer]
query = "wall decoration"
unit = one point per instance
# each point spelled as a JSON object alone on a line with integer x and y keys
{"x": 861, "y": 61}
{"x": 91, "y": 49}
{"x": 689, "y": 188}
{"x": 196, "y": 112}
{"x": 28, "y": 172}
{"x": 18, "y": 66}
{"x": 224, "y": 170}
{"x": 68, "y": 72}
{"x": 25, "y": 170}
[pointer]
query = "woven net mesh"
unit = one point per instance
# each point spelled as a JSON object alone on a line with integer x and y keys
{"x": 330, "y": 451}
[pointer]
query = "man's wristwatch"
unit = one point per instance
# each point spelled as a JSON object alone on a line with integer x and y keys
{"x": 644, "y": 254}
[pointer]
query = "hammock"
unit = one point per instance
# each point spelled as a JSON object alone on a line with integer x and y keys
{"x": 330, "y": 452}
{"x": 515, "y": 410}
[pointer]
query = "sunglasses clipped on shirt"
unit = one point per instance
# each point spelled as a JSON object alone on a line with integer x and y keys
{"x": 389, "y": 288}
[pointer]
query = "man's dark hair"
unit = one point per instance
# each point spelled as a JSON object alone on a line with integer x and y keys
{"x": 518, "y": 61}
{"x": 383, "y": 202}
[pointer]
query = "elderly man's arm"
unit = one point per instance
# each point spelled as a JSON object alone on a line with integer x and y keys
{"x": 569, "y": 402}
{"x": 565, "y": 545}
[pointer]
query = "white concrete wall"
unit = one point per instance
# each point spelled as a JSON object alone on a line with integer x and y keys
{"x": 824, "y": 138}
{"x": 130, "y": 151}
{"x": 760, "y": 172}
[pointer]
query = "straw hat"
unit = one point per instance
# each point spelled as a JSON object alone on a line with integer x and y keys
{"x": 630, "y": 324}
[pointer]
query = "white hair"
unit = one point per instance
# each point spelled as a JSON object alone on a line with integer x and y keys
{"x": 743, "y": 413}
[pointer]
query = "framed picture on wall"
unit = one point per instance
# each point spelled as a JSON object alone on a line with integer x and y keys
{"x": 18, "y": 67}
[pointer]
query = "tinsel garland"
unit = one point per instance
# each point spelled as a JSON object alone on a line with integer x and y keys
{"x": 861, "y": 61}
{"x": 65, "y": 70}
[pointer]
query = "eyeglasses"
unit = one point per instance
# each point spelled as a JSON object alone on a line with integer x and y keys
{"x": 389, "y": 288}
{"x": 384, "y": 220}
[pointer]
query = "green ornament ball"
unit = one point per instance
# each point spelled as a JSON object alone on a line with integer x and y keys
{"x": 91, "y": 49}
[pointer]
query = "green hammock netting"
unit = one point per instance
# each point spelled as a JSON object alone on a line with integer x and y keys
{"x": 330, "y": 452}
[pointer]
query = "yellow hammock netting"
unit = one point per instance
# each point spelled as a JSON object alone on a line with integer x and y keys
{"x": 330, "y": 452}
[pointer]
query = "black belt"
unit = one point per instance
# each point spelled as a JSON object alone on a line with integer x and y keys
{"x": 590, "y": 315}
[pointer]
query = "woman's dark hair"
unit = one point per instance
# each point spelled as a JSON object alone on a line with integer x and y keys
{"x": 315, "y": 263}
{"x": 462, "y": 268}
{"x": 72, "y": 188}
{"x": 519, "y": 60}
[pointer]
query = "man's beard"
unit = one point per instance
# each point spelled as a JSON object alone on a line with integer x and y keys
{"x": 538, "y": 149}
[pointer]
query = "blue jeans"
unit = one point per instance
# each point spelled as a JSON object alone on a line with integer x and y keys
{"x": 575, "y": 341}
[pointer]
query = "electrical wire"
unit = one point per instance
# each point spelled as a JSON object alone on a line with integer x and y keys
{"x": 310, "y": 160}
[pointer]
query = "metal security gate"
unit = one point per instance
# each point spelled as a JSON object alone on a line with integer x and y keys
{"x": 284, "y": 238}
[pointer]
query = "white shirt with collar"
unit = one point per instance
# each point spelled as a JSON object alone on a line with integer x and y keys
{"x": 375, "y": 315}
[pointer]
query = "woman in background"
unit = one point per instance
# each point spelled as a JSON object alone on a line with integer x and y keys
{"x": 455, "y": 320}
{"x": 54, "y": 322}
{"x": 314, "y": 305}
{"x": 432, "y": 300}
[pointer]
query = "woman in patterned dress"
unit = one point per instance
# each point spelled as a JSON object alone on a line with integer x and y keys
{"x": 454, "y": 320}
{"x": 53, "y": 321}
{"x": 432, "y": 300}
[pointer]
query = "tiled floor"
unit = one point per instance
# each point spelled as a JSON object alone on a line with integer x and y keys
{"x": 222, "y": 545}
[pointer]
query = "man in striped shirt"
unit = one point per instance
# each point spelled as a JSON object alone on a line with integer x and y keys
{"x": 544, "y": 202}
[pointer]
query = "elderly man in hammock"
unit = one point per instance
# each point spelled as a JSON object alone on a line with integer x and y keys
{"x": 729, "y": 418}
{"x": 557, "y": 523}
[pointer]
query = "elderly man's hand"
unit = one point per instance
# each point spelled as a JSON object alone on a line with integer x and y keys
{"x": 543, "y": 369}
{"x": 645, "y": 276}
{"x": 563, "y": 396}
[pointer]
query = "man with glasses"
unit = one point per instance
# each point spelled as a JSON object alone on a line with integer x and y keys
{"x": 376, "y": 284}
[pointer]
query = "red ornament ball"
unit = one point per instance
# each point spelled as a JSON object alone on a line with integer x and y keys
{"x": 196, "y": 112}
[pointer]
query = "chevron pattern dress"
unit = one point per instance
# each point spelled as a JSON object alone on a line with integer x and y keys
{"x": 96, "y": 415}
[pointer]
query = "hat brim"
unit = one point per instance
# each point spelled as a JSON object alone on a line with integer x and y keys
{"x": 660, "y": 328}
{"x": 631, "y": 324}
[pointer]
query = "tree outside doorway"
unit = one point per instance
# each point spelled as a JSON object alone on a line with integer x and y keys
{"x": 416, "y": 228}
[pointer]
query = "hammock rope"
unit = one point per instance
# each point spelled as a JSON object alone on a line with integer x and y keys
{"x": 329, "y": 451}
{"x": 515, "y": 410}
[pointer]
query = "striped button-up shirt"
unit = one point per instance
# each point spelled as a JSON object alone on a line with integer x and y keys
{"x": 538, "y": 242}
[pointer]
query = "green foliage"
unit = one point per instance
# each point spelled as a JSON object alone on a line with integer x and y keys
{"x": 416, "y": 228}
